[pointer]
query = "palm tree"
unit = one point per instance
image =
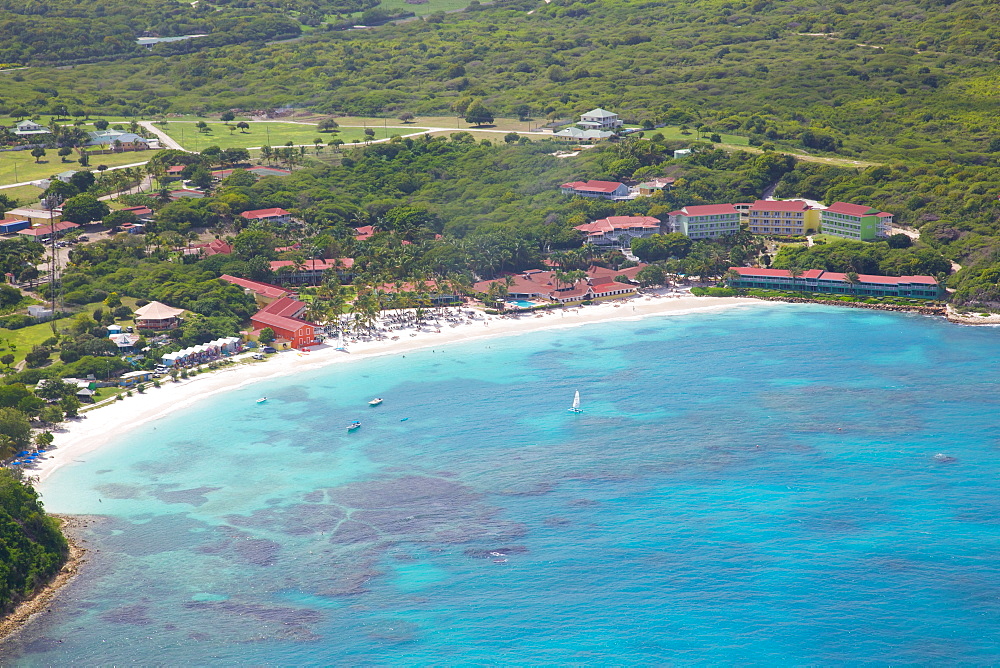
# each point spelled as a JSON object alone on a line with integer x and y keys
{"x": 795, "y": 273}
{"x": 731, "y": 277}
{"x": 853, "y": 280}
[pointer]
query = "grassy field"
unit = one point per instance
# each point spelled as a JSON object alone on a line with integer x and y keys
{"x": 25, "y": 195}
{"x": 271, "y": 133}
{"x": 19, "y": 166}
{"x": 429, "y": 7}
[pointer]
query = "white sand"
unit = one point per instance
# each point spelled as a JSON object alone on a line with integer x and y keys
{"x": 101, "y": 425}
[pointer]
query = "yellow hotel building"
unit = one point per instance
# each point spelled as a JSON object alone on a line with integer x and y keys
{"x": 783, "y": 217}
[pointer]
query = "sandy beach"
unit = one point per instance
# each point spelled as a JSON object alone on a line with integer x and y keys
{"x": 97, "y": 427}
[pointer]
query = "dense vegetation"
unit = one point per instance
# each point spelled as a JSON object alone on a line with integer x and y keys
{"x": 32, "y": 548}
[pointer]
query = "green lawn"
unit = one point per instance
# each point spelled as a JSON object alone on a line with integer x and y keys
{"x": 429, "y": 7}
{"x": 267, "y": 132}
{"x": 674, "y": 132}
{"x": 20, "y": 166}
{"x": 25, "y": 195}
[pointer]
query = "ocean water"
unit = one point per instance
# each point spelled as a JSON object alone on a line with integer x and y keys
{"x": 770, "y": 484}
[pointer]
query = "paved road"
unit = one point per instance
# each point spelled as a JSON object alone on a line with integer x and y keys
{"x": 31, "y": 183}
{"x": 166, "y": 141}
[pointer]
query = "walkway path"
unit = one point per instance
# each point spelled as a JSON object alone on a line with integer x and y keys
{"x": 166, "y": 141}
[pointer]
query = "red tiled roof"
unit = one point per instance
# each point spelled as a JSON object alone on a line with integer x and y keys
{"x": 708, "y": 209}
{"x": 779, "y": 205}
{"x": 850, "y": 209}
{"x": 596, "y": 272}
{"x": 265, "y": 213}
{"x": 175, "y": 169}
{"x": 836, "y": 276}
{"x": 316, "y": 265}
{"x": 364, "y": 232}
{"x": 138, "y": 210}
{"x": 884, "y": 215}
{"x": 43, "y": 230}
{"x": 285, "y": 306}
{"x": 278, "y": 321}
{"x": 594, "y": 186}
{"x": 610, "y": 287}
{"x": 612, "y": 223}
{"x": 263, "y": 289}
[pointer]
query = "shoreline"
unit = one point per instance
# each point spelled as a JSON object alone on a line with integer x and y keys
{"x": 95, "y": 428}
{"x": 11, "y": 624}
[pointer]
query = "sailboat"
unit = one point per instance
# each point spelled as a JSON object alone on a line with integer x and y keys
{"x": 575, "y": 408}
{"x": 340, "y": 342}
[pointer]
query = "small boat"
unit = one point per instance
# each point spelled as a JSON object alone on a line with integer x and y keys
{"x": 262, "y": 400}
{"x": 375, "y": 402}
{"x": 575, "y": 408}
{"x": 403, "y": 419}
{"x": 354, "y": 426}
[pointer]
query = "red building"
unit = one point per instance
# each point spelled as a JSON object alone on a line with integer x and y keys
{"x": 282, "y": 316}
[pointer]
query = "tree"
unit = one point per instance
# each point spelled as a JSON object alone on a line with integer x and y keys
{"x": 202, "y": 126}
{"x": 101, "y": 124}
{"x": 227, "y": 116}
{"x": 51, "y": 414}
{"x": 899, "y": 240}
{"x": 14, "y": 425}
{"x": 63, "y": 152}
{"x": 328, "y": 125}
{"x": 651, "y": 275}
{"x": 38, "y": 153}
{"x": 44, "y": 440}
{"x": 84, "y": 208}
{"x": 115, "y": 219}
{"x": 523, "y": 112}
{"x": 731, "y": 277}
{"x": 7, "y": 360}
{"x": 70, "y": 405}
{"x": 113, "y": 301}
{"x": 795, "y": 273}
{"x": 478, "y": 114}
{"x": 54, "y": 389}
{"x": 853, "y": 280}
{"x": 369, "y": 134}
{"x": 243, "y": 126}
{"x": 266, "y": 336}
{"x": 511, "y": 137}
{"x": 201, "y": 178}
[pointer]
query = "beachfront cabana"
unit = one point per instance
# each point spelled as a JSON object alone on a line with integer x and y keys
{"x": 203, "y": 352}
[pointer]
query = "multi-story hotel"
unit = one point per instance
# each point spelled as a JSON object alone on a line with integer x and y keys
{"x": 855, "y": 221}
{"x": 785, "y": 217}
{"x": 706, "y": 221}
{"x": 817, "y": 280}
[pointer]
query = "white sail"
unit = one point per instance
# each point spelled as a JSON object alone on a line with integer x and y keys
{"x": 576, "y": 399}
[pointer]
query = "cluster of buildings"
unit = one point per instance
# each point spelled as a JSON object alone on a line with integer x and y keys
{"x": 710, "y": 221}
{"x": 595, "y": 125}
{"x": 280, "y": 312}
{"x": 548, "y": 287}
{"x": 831, "y": 282}
{"x": 114, "y": 140}
{"x": 204, "y": 352}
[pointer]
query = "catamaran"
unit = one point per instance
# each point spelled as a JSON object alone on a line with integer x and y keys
{"x": 575, "y": 408}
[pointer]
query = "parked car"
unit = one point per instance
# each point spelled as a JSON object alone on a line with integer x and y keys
{"x": 269, "y": 349}
{"x": 257, "y": 356}
{"x": 83, "y": 237}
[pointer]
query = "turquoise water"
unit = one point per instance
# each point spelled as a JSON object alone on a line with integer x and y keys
{"x": 522, "y": 303}
{"x": 771, "y": 484}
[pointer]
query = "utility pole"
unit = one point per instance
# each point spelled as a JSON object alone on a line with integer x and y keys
{"x": 50, "y": 203}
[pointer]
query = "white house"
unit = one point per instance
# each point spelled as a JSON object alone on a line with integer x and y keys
{"x": 576, "y": 134}
{"x": 599, "y": 119}
{"x": 29, "y": 128}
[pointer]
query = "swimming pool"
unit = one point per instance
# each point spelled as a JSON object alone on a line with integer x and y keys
{"x": 521, "y": 303}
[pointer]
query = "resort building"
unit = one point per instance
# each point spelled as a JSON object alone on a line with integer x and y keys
{"x": 36, "y": 216}
{"x": 282, "y": 316}
{"x": 118, "y": 140}
{"x": 28, "y": 128}
{"x": 597, "y": 189}
{"x": 654, "y": 186}
{"x": 156, "y": 315}
{"x": 43, "y": 231}
{"x": 364, "y": 233}
{"x": 264, "y": 293}
{"x": 619, "y": 230}
{"x": 599, "y": 119}
{"x": 787, "y": 217}
{"x": 545, "y": 285}
{"x": 830, "y": 282}
{"x": 855, "y": 221}
{"x": 274, "y": 215}
{"x": 203, "y": 352}
{"x": 706, "y": 221}
{"x": 311, "y": 271}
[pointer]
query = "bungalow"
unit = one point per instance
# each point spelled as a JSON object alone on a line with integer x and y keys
{"x": 311, "y": 271}
{"x": 654, "y": 186}
{"x": 133, "y": 378}
{"x": 576, "y": 134}
{"x": 28, "y": 128}
{"x": 214, "y": 247}
{"x": 275, "y": 215}
{"x": 706, "y": 221}
{"x": 143, "y": 213}
{"x": 598, "y": 189}
{"x": 619, "y": 230}
{"x": 364, "y": 232}
{"x": 59, "y": 229}
{"x": 125, "y": 342}
{"x": 829, "y": 282}
{"x": 203, "y": 352}
{"x": 118, "y": 141}
{"x": 782, "y": 217}
{"x": 173, "y": 173}
{"x": 599, "y": 119}
{"x": 855, "y": 221}
{"x": 156, "y": 315}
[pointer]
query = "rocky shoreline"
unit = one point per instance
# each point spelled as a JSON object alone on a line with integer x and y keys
{"x": 899, "y": 308}
{"x": 39, "y": 603}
